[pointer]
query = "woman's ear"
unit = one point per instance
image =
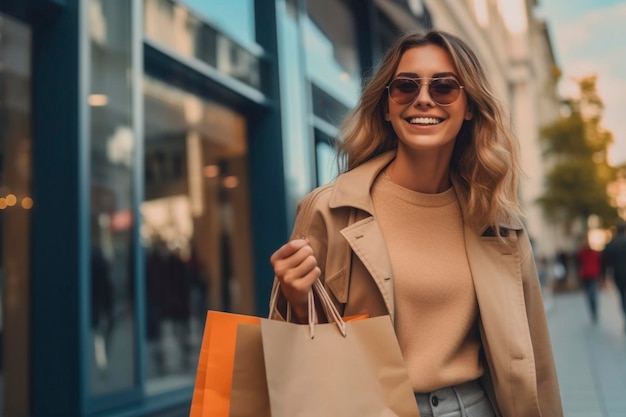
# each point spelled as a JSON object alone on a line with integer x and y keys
{"x": 469, "y": 114}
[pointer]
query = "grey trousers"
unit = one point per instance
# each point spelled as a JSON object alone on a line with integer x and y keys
{"x": 465, "y": 400}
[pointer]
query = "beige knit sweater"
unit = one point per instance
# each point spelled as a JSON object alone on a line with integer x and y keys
{"x": 436, "y": 306}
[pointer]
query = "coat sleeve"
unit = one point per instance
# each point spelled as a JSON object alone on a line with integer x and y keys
{"x": 311, "y": 224}
{"x": 549, "y": 396}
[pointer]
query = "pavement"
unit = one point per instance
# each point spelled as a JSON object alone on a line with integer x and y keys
{"x": 590, "y": 358}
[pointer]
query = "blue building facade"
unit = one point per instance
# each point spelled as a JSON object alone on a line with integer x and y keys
{"x": 152, "y": 154}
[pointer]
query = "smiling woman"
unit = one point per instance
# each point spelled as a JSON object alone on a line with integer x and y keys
{"x": 426, "y": 217}
{"x": 426, "y": 121}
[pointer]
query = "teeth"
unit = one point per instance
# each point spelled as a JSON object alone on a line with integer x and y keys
{"x": 425, "y": 121}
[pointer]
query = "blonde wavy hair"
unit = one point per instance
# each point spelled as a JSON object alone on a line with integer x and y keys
{"x": 485, "y": 160}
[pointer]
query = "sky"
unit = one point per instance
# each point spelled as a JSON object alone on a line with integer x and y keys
{"x": 589, "y": 37}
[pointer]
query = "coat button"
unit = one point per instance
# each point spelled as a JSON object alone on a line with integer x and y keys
{"x": 435, "y": 400}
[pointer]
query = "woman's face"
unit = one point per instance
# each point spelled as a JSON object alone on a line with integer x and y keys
{"x": 431, "y": 121}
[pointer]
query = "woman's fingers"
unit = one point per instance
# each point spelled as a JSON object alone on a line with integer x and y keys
{"x": 287, "y": 250}
{"x": 293, "y": 260}
{"x": 295, "y": 266}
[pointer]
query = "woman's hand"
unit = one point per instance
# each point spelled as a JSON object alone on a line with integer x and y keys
{"x": 295, "y": 267}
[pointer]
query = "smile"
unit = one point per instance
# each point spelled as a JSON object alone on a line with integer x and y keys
{"x": 424, "y": 121}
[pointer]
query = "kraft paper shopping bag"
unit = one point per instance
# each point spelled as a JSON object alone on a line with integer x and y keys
{"x": 249, "y": 395}
{"x": 336, "y": 369}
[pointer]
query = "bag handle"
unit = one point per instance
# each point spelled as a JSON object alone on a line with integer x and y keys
{"x": 331, "y": 311}
{"x": 328, "y": 306}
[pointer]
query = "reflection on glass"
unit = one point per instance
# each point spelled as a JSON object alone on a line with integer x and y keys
{"x": 173, "y": 25}
{"x": 234, "y": 16}
{"x": 326, "y": 163}
{"x": 297, "y": 141}
{"x": 15, "y": 205}
{"x": 113, "y": 324}
{"x": 195, "y": 226}
{"x": 387, "y": 31}
{"x": 331, "y": 50}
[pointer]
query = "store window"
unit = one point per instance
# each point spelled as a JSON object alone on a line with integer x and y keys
{"x": 297, "y": 143}
{"x": 388, "y": 32}
{"x": 327, "y": 168}
{"x": 333, "y": 71}
{"x": 15, "y": 207}
{"x": 394, "y": 18}
{"x": 332, "y": 54}
{"x": 235, "y": 17}
{"x": 187, "y": 33}
{"x": 195, "y": 226}
{"x": 112, "y": 341}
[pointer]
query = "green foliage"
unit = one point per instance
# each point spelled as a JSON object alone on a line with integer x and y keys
{"x": 565, "y": 137}
{"x": 577, "y": 145}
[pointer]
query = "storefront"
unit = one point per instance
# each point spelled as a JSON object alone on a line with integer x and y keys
{"x": 152, "y": 155}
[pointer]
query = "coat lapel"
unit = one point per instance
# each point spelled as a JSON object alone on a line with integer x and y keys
{"x": 367, "y": 242}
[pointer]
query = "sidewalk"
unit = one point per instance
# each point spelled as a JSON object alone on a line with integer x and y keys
{"x": 590, "y": 360}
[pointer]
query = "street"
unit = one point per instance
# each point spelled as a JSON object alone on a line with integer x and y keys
{"x": 590, "y": 359}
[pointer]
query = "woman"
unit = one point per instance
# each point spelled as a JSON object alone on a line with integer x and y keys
{"x": 424, "y": 225}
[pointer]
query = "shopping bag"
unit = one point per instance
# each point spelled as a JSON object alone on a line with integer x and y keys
{"x": 249, "y": 395}
{"x": 212, "y": 389}
{"x": 336, "y": 369}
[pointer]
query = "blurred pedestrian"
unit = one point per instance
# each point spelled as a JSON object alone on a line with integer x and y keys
{"x": 102, "y": 314}
{"x": 424, "y": 225}
{"x": 614, "y": 259}
{"x": 589, "y": 263}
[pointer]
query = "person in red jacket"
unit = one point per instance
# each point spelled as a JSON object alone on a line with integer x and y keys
{"x": 589, "y": 272}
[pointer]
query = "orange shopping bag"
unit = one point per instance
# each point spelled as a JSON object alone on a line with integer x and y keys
{"x": 212, "y": 389}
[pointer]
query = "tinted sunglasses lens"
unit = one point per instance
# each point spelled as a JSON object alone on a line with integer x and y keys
{"x": 444, "y": 91}
{"x": 403, "y": 91}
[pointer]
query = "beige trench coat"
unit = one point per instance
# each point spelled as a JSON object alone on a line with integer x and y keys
{"x": 520, "y": 374}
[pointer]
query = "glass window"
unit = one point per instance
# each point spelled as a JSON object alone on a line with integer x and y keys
{"x": 188, "y": 34}
{"x": 331, "y": 51}
{"x": 396, "y": 18}
{"x": 326, "y": 107}
{"x": 298, "y": 145}
{"x": 15, "y": 205}
{"x": 113, "y": 343}
{"x": 235, "y": 17}
{"x": 195, "y": 226}
{"x": 388, "y": 31}
{"x": 326, "y": 160}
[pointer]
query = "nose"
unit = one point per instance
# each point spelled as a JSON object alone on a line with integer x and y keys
{"x": 423, "y": 96}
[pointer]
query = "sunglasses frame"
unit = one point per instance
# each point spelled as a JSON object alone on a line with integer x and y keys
{"x": 419, "y": 83}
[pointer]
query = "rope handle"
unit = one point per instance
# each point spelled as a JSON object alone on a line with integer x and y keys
{"x": 326, "y": 302}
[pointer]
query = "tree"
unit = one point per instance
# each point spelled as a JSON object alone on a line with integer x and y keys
{"x": 577, "y": 147}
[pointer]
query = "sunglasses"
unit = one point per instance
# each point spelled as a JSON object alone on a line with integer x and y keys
{"x": 443, "y": 91}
